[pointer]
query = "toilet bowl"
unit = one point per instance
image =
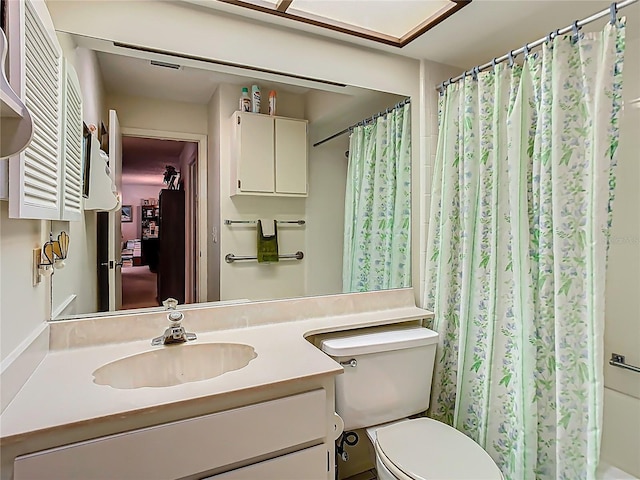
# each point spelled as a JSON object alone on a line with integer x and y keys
{"x": 425, "y": 449}
{"x": 387, "y": 377}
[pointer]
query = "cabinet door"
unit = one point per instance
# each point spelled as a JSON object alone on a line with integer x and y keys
{"x": 36, "y": 60}
{"x": 291, "y": 156}
{"x": 309, "y": 464}
{"x": 71, "y": 194}
{"x": 185, "y": 447}
{"x": 255, "y": 155}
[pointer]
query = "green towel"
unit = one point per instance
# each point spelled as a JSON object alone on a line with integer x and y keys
{"x": 267, "y": 246}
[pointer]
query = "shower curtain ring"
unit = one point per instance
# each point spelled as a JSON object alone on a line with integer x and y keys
{"x": 525, "y": 50}
{"x": 511, "y": 58}
{"x": 614, "y": 12}
{"x": 576, "y": 30}
{"x": 494, "y": 63}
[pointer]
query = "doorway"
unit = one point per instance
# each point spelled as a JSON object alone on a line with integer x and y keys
{"x": 158, "y": 199}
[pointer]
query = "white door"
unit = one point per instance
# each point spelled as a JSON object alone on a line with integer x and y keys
{"x": 115, "y": 227}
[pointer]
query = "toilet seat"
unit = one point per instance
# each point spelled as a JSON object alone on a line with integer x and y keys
{"x": 425, "y": 449}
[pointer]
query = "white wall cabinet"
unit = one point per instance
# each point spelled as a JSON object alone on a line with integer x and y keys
{"x": 269, "y": 155}
{"x": 45, "y": 179}
{"x": 246, "y": 442}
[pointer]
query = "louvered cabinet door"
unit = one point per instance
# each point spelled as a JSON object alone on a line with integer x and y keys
{"x": 71, "y": 191}
{"x": 35, "y": 175}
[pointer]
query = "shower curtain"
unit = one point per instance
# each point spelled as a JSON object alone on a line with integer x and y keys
{"x": 518, "y": 237}
{"x": 377, "y": 225}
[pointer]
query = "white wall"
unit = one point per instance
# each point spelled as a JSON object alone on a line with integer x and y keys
{"x": 621, "y": 432}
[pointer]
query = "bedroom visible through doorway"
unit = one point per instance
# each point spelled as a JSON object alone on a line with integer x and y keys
{"x": 158, "y": 190}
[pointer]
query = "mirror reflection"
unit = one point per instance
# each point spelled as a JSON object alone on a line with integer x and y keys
{"x": 217, "y": 204}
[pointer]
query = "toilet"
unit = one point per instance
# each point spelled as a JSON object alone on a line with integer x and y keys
{"x": 387, "y": 377}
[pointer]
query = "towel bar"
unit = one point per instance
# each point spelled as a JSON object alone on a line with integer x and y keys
{"x": 617, "y": 360}
{"x": 230, "y": 257}
{"x": 298, "y": 222}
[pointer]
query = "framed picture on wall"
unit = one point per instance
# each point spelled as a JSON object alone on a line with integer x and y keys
{"x": 126, "y": 214}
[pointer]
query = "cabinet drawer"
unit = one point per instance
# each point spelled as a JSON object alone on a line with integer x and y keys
{"x": 310, "y": 464}
{"x": 186, "y": 447}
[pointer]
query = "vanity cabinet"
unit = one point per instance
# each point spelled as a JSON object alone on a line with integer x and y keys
{"x": 268, "y": 155}
{"x": 285, "y": 438}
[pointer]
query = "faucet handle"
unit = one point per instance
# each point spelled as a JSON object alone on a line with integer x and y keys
{"x": 170, "y": 303}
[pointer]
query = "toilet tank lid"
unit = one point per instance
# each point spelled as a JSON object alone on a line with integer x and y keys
{"x": 376, "y": 342}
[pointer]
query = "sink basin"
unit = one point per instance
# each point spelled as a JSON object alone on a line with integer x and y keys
{"x": 174, "y": 365}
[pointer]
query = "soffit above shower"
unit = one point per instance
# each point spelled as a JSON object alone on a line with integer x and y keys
{"x": 390, "y": 22}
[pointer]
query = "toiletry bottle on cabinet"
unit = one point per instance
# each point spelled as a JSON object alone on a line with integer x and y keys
{"x": 245, "y": 100}
{"x": 272, "y": 102}
{"x": 255, "y": 99}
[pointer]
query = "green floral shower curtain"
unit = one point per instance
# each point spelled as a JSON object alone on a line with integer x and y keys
{"x": 377, "y": 228}
{"x": 518, "y": 238}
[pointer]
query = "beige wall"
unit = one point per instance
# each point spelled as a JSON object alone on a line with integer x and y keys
{"x": 249, "y": 279}
{"x": 23, "y": 307}
{"x": 621, "y": 436}
{"x": 155, "y": 114}
{"x": 85, "y": 63}
{"x": 213, "y": 210}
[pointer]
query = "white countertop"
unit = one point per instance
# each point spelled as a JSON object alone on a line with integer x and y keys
{"x": 61, "y": 393}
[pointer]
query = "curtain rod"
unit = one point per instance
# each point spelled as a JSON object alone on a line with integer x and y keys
{"x": 365, "y": 121}
{"x": 612, "y": 10}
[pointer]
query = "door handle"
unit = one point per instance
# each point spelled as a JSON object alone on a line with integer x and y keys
{"x": 111, "y": 264}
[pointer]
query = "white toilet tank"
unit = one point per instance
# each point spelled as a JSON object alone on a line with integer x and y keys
{"x": 391, "y": 375}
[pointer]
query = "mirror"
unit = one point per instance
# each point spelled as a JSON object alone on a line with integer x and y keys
{"x": 179, "y": 116}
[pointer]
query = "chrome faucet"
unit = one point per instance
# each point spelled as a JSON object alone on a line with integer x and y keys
{"x": 176, "y": 332}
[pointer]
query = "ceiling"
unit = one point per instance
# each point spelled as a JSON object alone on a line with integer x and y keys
{"x": 144, "y": 159}
{"x": 482, "y": 30}
{"x": 394, "y": 22}
{"x": 147, "y": 80}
